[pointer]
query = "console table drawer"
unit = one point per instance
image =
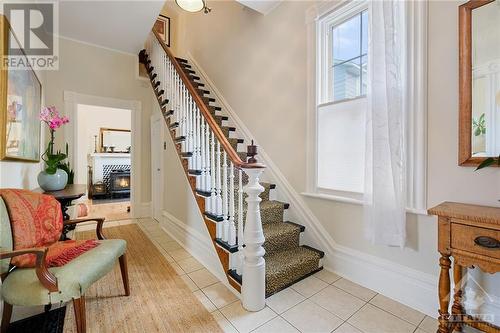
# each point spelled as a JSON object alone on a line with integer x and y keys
{"x": 476, "y": 240}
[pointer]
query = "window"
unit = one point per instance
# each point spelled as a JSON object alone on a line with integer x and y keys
{"x": 340, "y": 127}
{"x": 337, "y": 104}
{"x": 349, "y": 57}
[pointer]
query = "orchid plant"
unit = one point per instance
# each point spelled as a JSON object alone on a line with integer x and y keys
{"x": 53, "y": 119}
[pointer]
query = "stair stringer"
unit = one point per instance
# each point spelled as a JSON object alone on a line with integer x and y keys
{"x": 200, "y": 201}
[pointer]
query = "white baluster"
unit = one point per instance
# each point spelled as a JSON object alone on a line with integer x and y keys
{"x": 253, "y": 290}
{"x": 212, "y": 174}
{"x": 208, "y": 177}
{"x": 192, "y": 120}
{"x": 241, "y": 238}
{"x": 177, "y": 99}
{"x": 209, "y": 173}
{"x": 232, "y": 227}
{"x": 187, "y": 115}
{"x": 218, "y": 184}
{"x": 198, "y": 139}
{"x": 183, "y": 117}
{"x": 225, "y": 204}
{"x": 174, "y": 105}
{"x": 202, "y": 181}
{"x": 194, "y": 142}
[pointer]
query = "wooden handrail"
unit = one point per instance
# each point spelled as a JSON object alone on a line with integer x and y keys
{"x": 224, "y": 142}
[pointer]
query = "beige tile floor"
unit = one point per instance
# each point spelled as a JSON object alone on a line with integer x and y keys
{"x": 324, "y": 302}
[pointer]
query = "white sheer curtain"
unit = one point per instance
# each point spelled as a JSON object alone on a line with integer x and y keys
{"x": 385, "y": 174}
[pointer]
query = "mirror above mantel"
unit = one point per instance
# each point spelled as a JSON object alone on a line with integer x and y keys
{"x": 115, "y": 140}
{"x": 479, "y": 75}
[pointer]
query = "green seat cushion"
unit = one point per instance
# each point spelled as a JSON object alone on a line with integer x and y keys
{"x": 21, "y": 287}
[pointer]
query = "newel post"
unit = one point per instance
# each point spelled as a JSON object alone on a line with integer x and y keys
{"x": 253, "y": 288}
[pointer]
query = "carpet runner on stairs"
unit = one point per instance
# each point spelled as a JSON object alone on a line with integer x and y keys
{"x": 287, "y": 261}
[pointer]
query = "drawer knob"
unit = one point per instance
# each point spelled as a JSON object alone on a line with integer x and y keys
{"x": 487, "y": 242}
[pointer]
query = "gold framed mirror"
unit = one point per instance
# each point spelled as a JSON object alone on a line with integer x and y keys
{"x": 115, "y": 140}
{"x": 479, "y": 81}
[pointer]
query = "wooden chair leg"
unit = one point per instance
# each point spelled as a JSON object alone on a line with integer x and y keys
{"x": 7, "y": 313}
{"x": 79, "y": 307}
{"x": 124, "y": 270}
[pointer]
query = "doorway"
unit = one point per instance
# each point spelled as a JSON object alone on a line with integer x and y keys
{"x": 104, "y": 148}
{"x": 103, "y": 159}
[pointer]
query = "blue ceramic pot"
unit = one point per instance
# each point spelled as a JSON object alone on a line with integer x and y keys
{"x": 53, "y": 182}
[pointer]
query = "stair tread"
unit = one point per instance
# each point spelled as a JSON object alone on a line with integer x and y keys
{"x": 281, "y": 236}
{"x": 287, "y": 267}
{"x": 284, "y": 259}
{"x": 278, "y": 229}
{"x": 270, "y": 204}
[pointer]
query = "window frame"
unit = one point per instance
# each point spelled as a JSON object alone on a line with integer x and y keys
{"x": 417, "y": 156}
{"x": 325, "y": 25}
{"x": 325, "y": 60}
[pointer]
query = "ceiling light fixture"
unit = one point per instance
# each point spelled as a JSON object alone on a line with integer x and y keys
{"x": 193, "y": 6}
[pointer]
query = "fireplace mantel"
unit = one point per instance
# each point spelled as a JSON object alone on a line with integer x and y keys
{"x": 98, "y": 161}
{"x": 119, "y": 155}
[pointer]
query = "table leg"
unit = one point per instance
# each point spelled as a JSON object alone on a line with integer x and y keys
{"x": 457, "y": 308}
{"x": 444, "y": 294}
{"x": 64, "y": 208}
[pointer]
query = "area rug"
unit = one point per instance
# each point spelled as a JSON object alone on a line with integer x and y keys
{"x": 47, "y": 322}
{"x": 159, "y": 302}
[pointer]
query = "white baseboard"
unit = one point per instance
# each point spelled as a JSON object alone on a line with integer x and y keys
{"x": 141, "y": 210}
{"x": 408, "y": 286}
{"x": 197, "y": 243}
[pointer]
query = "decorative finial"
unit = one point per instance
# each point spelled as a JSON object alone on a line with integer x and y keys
{"x": 251, "y": 153}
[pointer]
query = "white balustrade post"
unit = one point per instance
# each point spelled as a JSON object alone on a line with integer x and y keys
{"x": 232, "y": 227}
{"x": 199, "y": 136}
{"x": 225, "y": 204}
{"x": 208, "y": 165}
{"x": 241, "y": 238}
{"x": 218, "y": 184}
{"x": 212, "y": 174}
{"x": 253, "y": 289}
{"x": 202, "y": 182}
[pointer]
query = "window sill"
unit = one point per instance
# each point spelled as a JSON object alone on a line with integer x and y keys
{"x": 333, "y": 198}
{"x": 352, "y": 201}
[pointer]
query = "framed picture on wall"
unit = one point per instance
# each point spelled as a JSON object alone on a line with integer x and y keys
{"x": 162, "y": 26}
{"x": 20, "y": 104}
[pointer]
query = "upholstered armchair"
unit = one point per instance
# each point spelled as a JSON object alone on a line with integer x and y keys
{"x": 42, "y": 285}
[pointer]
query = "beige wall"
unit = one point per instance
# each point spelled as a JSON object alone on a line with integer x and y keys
{"x": 259, "y": 65}
{"x": 91, "y": 70}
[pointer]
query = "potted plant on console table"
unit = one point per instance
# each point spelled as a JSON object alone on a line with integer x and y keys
{"x": 52, "y": 178}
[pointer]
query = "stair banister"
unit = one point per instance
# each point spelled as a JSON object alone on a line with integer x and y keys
{"x": 232, "y": 154}
{"x": 212, "y": 154}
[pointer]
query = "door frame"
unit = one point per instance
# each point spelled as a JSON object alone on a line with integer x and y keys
{"x": 157, "y": 117}
{"x": 71, "y": 101}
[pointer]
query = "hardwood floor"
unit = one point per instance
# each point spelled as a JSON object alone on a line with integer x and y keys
{"x": 113, "y": 211}
{"x": 159, "y": 302}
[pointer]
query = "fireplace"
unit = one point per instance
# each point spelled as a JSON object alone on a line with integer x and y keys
{"x": 119, "y": 182}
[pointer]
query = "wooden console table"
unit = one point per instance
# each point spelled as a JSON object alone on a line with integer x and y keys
{"x": 471, "y": 235}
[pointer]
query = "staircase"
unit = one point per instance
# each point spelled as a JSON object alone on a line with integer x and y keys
{"x": 225, "y": 182}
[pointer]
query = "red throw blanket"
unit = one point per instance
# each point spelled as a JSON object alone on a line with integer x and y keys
{"x": 36, "y": 221}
